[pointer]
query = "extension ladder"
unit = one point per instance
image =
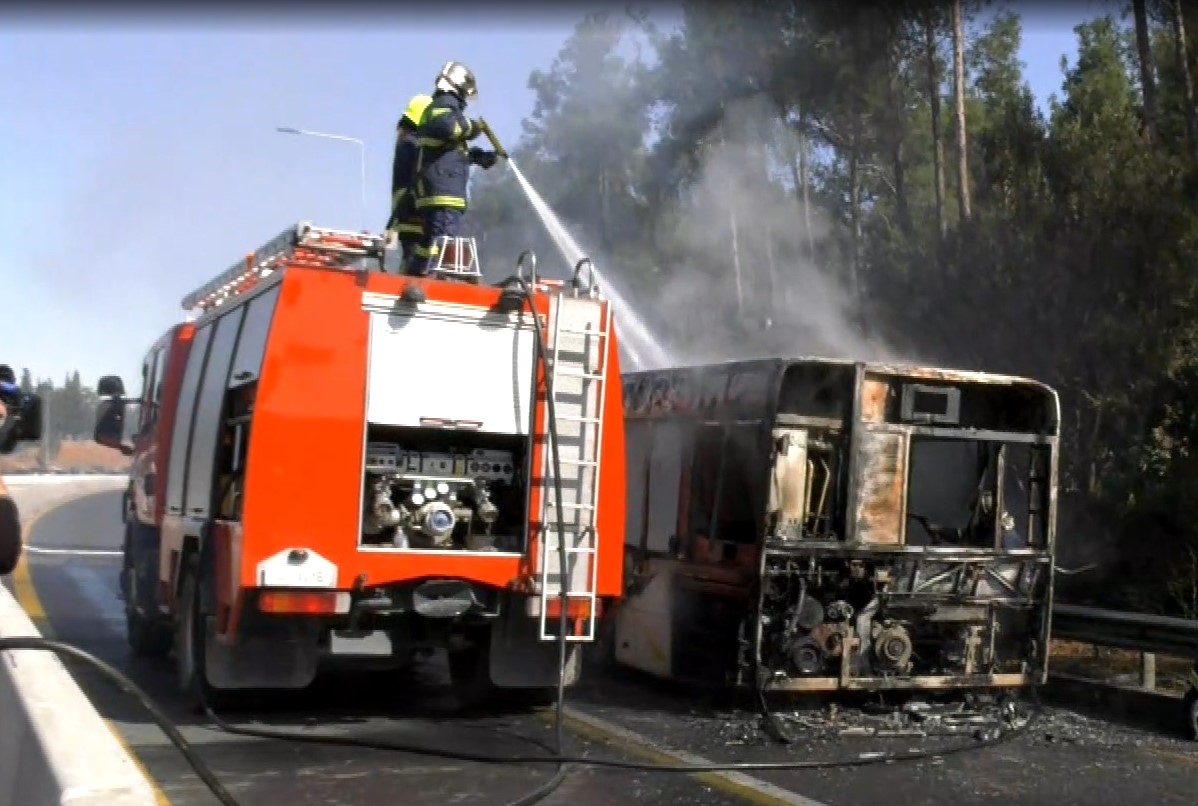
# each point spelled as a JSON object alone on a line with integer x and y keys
{"x": 579, "y": 366}
{"x": 318, "y": 246}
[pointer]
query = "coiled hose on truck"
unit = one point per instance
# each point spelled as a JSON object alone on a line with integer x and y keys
{"x": 558, "y": 758}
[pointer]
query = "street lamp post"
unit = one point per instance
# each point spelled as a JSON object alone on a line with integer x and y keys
{"x": 362, "y": 161}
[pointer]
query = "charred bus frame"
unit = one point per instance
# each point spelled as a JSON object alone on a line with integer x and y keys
{"x": 813, "y": 525}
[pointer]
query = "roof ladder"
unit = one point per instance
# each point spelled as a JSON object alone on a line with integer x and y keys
{"x": 319, "y": 246}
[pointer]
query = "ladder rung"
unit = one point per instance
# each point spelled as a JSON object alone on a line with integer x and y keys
{"x": 572, "y": 419}
{"x": 579, "y": 462}
{"x": 570, "y": 331}
{"x": 553, "y": 503}
{"x": 572, "y": 549}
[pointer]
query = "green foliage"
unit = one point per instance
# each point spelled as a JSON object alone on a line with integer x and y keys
{"x": 1074, "y": 266}
{"x": 68, "y": 410}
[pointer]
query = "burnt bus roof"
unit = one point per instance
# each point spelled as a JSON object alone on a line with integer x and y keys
{"x": 882, "y": 367}
{"x": 747, "y": 388}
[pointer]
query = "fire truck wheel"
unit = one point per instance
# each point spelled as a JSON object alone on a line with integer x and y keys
{"x": 1191, "y": 701}
{"x": 602, "y": 652}
{"x": 189, "y": 643}
{"x": 535, "y": 697}
{"x": 147, "y": 638}
{"x": 470, "y": 673}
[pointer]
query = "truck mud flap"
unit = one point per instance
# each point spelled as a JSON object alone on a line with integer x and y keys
{"x": 520, "y": 659}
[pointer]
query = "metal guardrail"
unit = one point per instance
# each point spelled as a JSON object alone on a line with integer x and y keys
{"x": 1114, "y": 628}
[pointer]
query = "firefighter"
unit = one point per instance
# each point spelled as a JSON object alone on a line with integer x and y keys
{"x": 444, "y": 160}
{"x": 405, "y": 221}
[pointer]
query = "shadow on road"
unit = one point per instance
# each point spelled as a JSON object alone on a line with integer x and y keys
{"x": 405, "y": 706}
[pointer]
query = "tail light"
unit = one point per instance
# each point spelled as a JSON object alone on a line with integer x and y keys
{"x": 309, "y": 603}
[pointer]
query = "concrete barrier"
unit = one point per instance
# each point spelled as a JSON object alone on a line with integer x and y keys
{"x": 55, "y": 748}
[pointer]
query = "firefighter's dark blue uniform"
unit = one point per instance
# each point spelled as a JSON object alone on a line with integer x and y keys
{"x": 405, "y": 219}
{"x": 443, "y": 172}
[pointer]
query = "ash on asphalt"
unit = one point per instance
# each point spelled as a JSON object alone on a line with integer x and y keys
{"x": 731, "y": 727}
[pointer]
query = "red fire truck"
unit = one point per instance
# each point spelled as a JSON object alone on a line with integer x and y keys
{"x": 331, "y": 461}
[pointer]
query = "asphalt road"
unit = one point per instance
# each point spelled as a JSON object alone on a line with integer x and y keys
{"x": 1061, "y": 759}
{"x": 78, "y": 594}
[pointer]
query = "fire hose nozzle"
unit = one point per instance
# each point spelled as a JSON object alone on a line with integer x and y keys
{"x": 490, "y": 135}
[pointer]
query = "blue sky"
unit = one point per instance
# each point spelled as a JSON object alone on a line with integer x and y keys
{"x": 140, "y": 159}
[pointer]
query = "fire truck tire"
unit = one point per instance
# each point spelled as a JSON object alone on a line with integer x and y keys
{"x": 470, "y": 674}
{"x": 147, "y": 638}
{"x": 1191, "y": 703}
{"x": 189, "y": 643}
{"x": 536, "y": 697}
{"x": 603, "y": 649}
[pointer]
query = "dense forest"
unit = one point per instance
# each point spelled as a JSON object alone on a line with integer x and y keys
{"x": 877, "y": 181}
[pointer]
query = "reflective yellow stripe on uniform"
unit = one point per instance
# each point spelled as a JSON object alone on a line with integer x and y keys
{"x": 456, "y": 202}
{"x": 409, "y": 228}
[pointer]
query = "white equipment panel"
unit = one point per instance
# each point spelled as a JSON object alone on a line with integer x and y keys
{"x": 449, "y": 366}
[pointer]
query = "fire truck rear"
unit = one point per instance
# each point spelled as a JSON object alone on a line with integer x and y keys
{"x": 335, "y": 463}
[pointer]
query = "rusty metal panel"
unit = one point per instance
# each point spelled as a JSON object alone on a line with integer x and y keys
{"x": 873, "y": 400}
{"x": 953, "y": 375}
{"x": 881, "y": 501}
{"x": 789, "y": 492}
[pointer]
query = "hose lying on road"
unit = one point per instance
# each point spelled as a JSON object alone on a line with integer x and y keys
{"x": 557, "y": 758}
{"x": 209, "y": 778}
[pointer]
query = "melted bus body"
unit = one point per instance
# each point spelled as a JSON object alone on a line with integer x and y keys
{"x": 335, "y": 463}
{"x": 819, "y": 525}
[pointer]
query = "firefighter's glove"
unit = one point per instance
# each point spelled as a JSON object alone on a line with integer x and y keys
{"x": 483, "y": 159}
{"x": 476, "y": 129}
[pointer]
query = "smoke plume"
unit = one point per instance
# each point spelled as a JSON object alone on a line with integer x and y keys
{"x": 742, "y": 270}
{"x": 747, "y": 279}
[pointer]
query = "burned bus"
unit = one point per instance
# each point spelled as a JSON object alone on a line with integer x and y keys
{"x": 822, "y": 525}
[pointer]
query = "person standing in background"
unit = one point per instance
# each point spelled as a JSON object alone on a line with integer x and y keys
{"x": 10, "y": 523}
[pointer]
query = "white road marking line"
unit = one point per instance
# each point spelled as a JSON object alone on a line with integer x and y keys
{"x": 774, "y": 794}
{"x": 75, "y": 552}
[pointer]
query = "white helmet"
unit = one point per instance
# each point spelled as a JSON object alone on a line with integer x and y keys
{"x": 457, "y": 78}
